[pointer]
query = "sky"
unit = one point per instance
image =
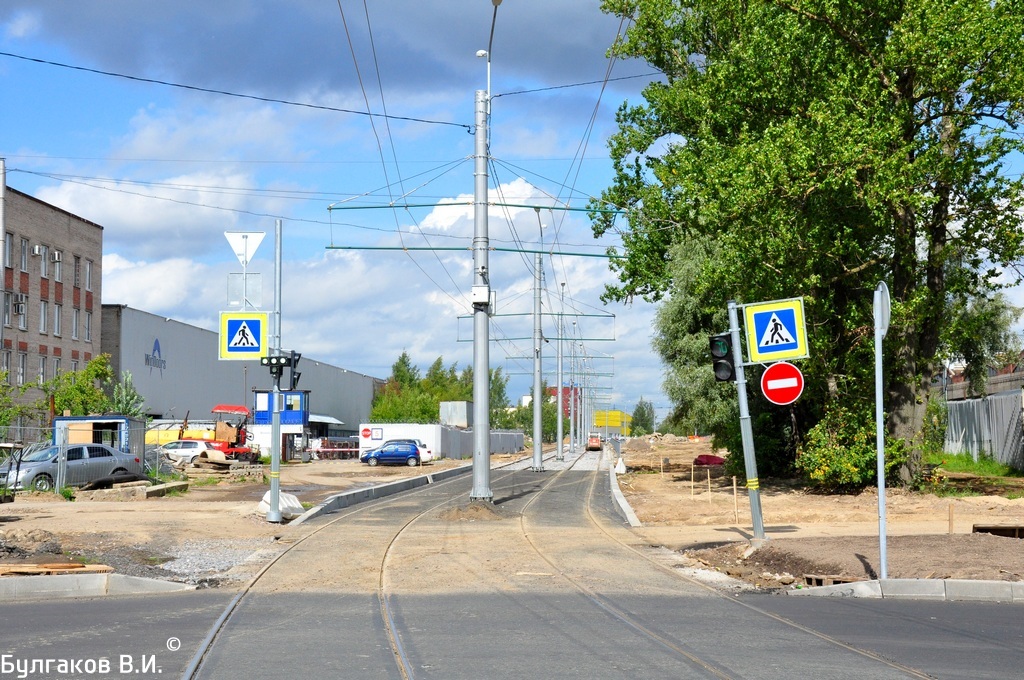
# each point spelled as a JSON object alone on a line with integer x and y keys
{"x": 167, "y": 170}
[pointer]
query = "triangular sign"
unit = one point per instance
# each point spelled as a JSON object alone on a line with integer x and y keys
{"x": 775, "y": 333}
{"x": 244, "y": 244}
{"x": 244, "y": 337}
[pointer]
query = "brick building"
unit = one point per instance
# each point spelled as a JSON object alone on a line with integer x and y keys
{"x": 51, "y": 294}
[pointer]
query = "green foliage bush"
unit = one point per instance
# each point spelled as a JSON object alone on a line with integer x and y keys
{"x": 839, "y": 452}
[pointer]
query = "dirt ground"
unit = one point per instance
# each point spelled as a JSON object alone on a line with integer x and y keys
{"x": 694, "y": 510}
{"x": 691, "y": 510}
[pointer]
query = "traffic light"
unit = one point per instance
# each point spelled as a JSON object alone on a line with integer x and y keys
{"x": 276, "y": 363}
{"x": 295, "y": 375}
{"x": 721, "y": 357}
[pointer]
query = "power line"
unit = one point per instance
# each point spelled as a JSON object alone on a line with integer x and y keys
{"x": 195, "y": 88}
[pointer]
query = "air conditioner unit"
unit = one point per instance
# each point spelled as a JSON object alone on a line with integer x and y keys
{"x": 37, "y": 249}
{"x": 55, "y": 256}
{"x": 20, "y": 298}
{"x": 19, "y": 308}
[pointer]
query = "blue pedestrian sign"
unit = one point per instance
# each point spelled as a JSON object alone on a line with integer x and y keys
{"x": 776, "y": 330}
{"x": 243, "y": 335}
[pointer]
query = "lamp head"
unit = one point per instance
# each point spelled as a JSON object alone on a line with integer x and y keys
{"x": 481, "y": 53}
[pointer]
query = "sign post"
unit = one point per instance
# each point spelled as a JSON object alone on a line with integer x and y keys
{"x": 880, "y": 307}
{"x": 746, "y": 431}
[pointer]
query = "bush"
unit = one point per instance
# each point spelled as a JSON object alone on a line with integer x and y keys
{"x": 839, "y": 453}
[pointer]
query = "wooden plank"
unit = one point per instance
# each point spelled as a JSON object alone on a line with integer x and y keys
{"x": 52, "y": 569}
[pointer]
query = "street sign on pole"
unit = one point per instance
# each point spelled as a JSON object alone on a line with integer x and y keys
{"x": 776, "y": 330}
{"x": 782, "y": 383}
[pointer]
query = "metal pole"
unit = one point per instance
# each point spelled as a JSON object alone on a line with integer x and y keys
{"x": 881, "y": 326}
{"x": 538, "y": 397}
{"x": 572, "y": 393}
{"x": 560, "y": 426}
{"x": 274, "y": 512}
{"x": 746, "y": 431}
{"x": 481, "y": 308}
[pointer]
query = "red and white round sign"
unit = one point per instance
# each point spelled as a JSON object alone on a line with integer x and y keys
{"x": 782, "y": 383}
{"x": 365, "y": 433}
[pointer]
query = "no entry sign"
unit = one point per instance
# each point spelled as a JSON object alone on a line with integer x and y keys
{"x": 782, "y": 383}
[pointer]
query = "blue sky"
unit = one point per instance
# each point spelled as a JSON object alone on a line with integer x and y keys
{"x": 168, "y": 170}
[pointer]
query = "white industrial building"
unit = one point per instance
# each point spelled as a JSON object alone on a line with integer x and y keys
{"x": 177, "y": 370}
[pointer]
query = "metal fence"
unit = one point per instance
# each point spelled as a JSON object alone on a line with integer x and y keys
{"x": 42, "y": 461}
{"x": 989, "y": 426}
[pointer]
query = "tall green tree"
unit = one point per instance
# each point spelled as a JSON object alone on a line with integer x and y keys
{"x": 643, "y": 418}
{"x": 812, "y": 149}
{"x": 125, "y": 399}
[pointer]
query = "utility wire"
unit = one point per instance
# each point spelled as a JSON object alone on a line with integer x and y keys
{"x": 195, "y": 88}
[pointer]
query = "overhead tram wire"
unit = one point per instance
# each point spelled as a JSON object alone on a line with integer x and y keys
{"x": 376, "y": 135}
{"x": 225, "y": 93}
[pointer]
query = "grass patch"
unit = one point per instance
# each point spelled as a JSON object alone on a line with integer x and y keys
{"x": 205, "y": 481}
{"x": 985, "y": 466}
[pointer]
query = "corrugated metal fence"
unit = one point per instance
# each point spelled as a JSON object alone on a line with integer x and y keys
{"x": 988, "y": 426}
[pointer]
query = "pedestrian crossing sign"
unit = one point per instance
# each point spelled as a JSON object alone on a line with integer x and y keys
{"x": 776, "y": 330}
{"x": 243, "y": 335}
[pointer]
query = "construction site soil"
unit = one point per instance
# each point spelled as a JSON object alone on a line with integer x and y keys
{"x": 211, "y": 535}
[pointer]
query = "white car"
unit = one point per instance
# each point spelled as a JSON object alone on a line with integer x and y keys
{"x": 185, "y": 450}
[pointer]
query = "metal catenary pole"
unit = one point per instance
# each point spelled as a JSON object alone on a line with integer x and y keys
{"x": 559, "y": 426}
{"x": 481, "y": 307}
{"x": 538, "y": 397}
{"x": 746, "y": 431}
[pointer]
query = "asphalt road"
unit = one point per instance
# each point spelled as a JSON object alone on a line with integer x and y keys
{"x": 547, "y": 589}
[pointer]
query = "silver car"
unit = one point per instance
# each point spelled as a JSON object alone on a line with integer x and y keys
{"x": 85, "y": 463}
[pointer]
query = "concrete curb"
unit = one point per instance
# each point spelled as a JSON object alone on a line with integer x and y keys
{"x": 949, "y": 590}
{"x": 83, "y": 585}
{"x": 347, "y": 498}
{"x": 620, "y": 500}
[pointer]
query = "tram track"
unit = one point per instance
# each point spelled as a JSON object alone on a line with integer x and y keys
{"x": 381, "y": 528}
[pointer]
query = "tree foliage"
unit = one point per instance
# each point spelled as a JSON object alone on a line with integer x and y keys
{"x": 79, "y": 392}
{"x": 643, "y": 418}
{"x": 125, "y": 399}
{"x": 812, "y": 148}
{"x": 406, "y": 397}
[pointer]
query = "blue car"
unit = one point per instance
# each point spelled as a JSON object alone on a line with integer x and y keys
{"x": 397, "y": 453}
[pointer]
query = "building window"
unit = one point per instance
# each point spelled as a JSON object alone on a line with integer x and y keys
{"x": 88, "y": 326}
{"x": 22, "y": 310}
{"x": 42, "y": 370}
{"x": 58, "y": 271}
{"x": 57, "y": 309}
{"x": 74, "y": 365}
{"x": 78, "y": 272}
{"x": 88, "y": 274}
{"x": 56, "y": 367}
{"x": 8, "y": 249}
{"x": 44, "y": 316}
{"x": 74, "y": 323}
{"x": 24, "y": 254}
{"x": 5, "y": 364}
{"x": 7, "y": 309}
{"x": 22, "y": 367}
{"x": 44, "y": 261}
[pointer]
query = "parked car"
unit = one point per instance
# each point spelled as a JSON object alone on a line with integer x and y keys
{"x": 85, "y": 463}
{"x": 425, "y": 454}
{"x": 398, "y": 453}
{"x": 187, "y": 450}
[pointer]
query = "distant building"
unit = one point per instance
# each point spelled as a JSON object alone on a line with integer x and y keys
{"x": 177, "y": 370}
{"x": 51, "y": 294}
